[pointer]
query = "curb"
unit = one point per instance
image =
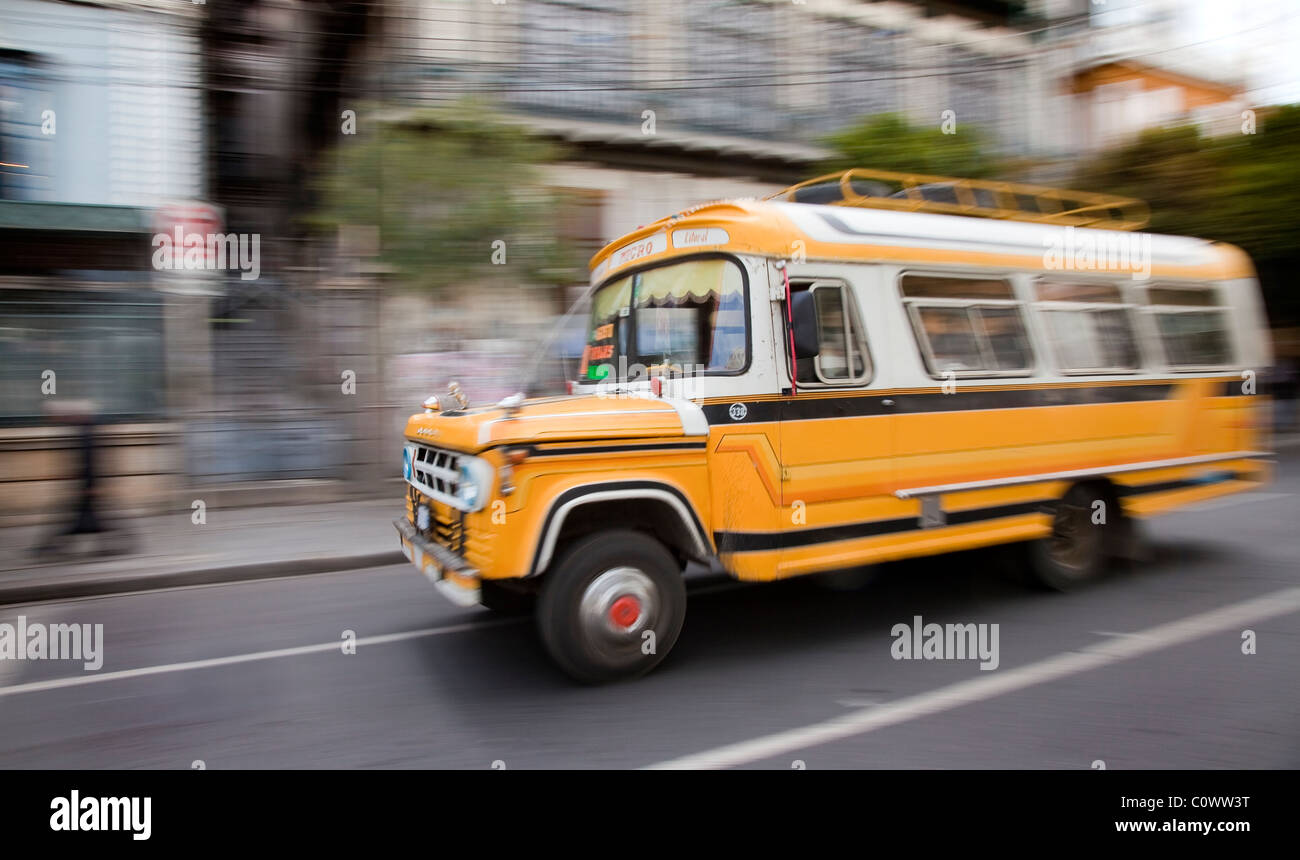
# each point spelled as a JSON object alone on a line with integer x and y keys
{"x": 99, "y": 586}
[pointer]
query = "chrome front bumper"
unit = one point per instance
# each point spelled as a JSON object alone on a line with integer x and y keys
{"x": 435, "y": 561}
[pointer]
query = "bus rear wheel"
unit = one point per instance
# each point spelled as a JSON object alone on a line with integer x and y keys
{"x": 1082, "y": 541}
{"x": 612, "y": 606}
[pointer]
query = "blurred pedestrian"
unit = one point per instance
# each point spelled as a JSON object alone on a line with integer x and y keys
{"x": 86, "y": 516}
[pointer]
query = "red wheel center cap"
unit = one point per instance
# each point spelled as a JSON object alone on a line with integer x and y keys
{"x": 625, "y": 611}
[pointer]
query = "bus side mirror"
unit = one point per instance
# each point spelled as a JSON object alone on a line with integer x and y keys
{"x": 806, "y": 342}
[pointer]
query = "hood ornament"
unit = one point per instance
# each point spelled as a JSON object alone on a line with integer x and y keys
{"x": 512, "y": 403}
{"x": 456, "y": 394}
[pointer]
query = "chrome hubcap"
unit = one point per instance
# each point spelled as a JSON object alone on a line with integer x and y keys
{"x": 619, "y": 604}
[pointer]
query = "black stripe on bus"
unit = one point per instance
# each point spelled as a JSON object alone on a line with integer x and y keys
{"x": 728, "y": 542}
{"x": 761, "y": 541}
{"x": 873, "y": 403}
{"x": 1038, "y": 506}
{"x": 535, "y": 451}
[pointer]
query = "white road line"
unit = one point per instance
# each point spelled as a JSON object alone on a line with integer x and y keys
{"x": 100, "y": 677}
{"x": 1113, "y": 650}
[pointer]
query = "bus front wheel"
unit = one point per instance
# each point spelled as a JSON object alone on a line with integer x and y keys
{"x": 612, "y": 606}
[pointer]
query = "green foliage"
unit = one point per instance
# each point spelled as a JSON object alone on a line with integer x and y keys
{"x": 443, "y": 186}
{"x": 889, "y": 142}
{"x": 1237, "y": 188}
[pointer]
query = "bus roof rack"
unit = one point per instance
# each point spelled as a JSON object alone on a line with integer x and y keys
{"x": 981, "y": 198}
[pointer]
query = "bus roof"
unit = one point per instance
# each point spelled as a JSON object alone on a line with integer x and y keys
{"x": 815, "y": 232}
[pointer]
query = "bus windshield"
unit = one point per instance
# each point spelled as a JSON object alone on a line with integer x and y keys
{"x": 681, "y": 319}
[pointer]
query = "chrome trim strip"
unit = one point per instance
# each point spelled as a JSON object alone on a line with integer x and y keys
{"x": 557, "y": 521}
{"x": 918, "y": 492}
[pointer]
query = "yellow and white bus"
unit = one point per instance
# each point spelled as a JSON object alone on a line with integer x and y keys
{"x": 777, "y": 388}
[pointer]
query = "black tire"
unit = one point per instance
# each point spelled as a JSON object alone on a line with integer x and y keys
{"x": 1079, "y": 550}
{"x": 599, "y": 582}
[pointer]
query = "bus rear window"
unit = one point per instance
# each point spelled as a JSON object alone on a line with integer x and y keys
{"x": 1193, "y": 327}
{"x": 1194, "y": 338}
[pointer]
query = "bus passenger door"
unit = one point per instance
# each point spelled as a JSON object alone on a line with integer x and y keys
{"x": 836, "y": 434}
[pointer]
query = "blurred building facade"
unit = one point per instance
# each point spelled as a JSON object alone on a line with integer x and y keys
{"x": 1122, "y": 67}
{"x": 121, "y": 120}
{"x": 744, "y": 90}
{"x": 737, "y": 96}
{"x": 100, "y": 129}
{"x": 1117, "y": 99}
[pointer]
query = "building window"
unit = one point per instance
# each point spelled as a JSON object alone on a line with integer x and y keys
{"x": 104, "y": 346}
{"x": 24, "y": 150}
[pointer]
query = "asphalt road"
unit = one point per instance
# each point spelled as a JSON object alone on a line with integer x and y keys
{"x": 1143, "y": 670}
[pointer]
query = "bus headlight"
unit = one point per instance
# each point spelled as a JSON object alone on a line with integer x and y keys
{"x": 474, "y": 483}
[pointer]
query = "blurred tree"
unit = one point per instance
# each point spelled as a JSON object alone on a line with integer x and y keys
{"x": 1171, "y": 169}
{"x": 889, "y": 142}
{"x": 1237, "y": 188}
{"x": 456, "y": 195}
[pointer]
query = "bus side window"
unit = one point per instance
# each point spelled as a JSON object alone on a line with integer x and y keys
{"x": 967, "y": 325}
{"x": 1088, "y": 325}
{"x": 842, "y": 357}
{"x": 1192, "y": 325}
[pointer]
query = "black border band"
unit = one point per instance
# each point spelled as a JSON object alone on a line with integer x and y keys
{"x": 731, "y": 542}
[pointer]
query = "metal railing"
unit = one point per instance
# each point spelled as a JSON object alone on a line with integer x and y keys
{"x": 982, "y": 198}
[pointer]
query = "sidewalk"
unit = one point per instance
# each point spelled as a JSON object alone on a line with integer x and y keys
{"x": 234, "y": 544}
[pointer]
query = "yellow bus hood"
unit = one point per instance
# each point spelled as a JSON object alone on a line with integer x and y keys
{"x": 551, "y": 418}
